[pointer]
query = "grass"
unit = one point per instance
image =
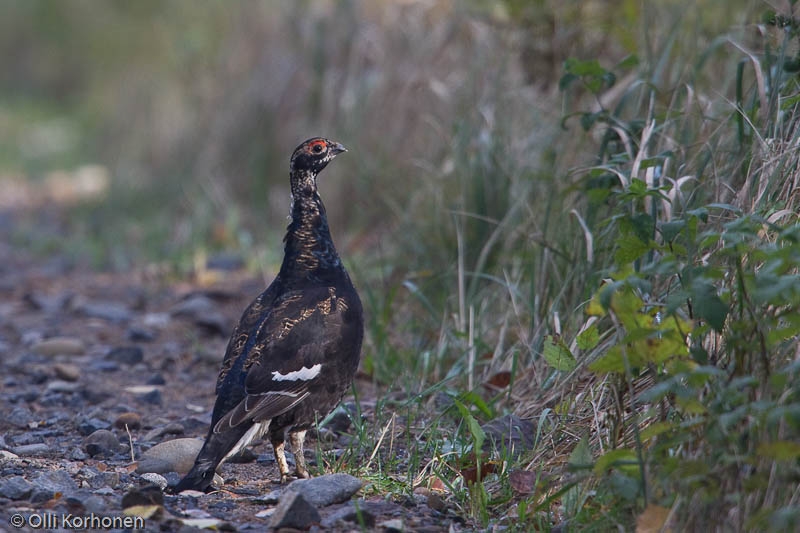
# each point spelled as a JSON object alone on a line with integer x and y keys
{"x": 599, "y": 237}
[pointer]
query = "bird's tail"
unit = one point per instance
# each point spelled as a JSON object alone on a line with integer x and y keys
{"x": 216, "y": 449}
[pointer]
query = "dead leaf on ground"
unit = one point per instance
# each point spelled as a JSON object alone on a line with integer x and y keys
{"x": 653, "y": 520}
{"x": 500, "y": 380}
{"x": 522, "y": 481}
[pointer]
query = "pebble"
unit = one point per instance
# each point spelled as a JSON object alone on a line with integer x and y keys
{"x": 202, "y": 311}
{"x": 104, "y": 479}
{"x": 294, "y": 511}
{"x": 59, "y": 346}
{"x": 58, "y": 385}
{"x": 173, "y": 428}
{"x": 155, "y": 479}
{"x": 6, "y": 455}
{"x": 510, "y": 435}
{"x": 147, "y": 495}
{"x": 156, "y": 379}
{"x": 126, "y": 355}
{"x": 102, "y": 443}
{"x": 326, "y": 490}
{"x": 67, "y": 372}
{"x": 15, "y": 488}
{"x": 349, "y": 513}
{"x": 153, "y": 397}
{"x": 113, "y": 312}
{"x": 131, "y": 420}
{"x": 87, "y": 426}
{"x": 35, "y": 450}
{"x": 176, "y": 455}
{"x": 20, "y": 417}
{"x": 50, "y": 482}
{"x": 395, "y": 525}
{"x": 136, "y": 334}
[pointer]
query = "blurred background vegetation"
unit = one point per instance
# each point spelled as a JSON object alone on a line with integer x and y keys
{"x": 498, "y": 151}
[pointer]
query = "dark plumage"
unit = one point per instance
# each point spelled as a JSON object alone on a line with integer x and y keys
{"x": 296, "y": 348}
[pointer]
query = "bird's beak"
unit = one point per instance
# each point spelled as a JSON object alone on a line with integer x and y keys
{"x": 337, "y": 148}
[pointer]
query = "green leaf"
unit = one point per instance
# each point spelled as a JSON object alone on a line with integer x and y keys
{"x": 670, "y": 230}
{"x": 621, "y": 458}
{"x": 707, "y": 305}
{"x": 581, "y": 456}
{"x": 781, "y": 450}
{"x": 654, "y": 430}
{"x": 475, "y": 430}
{"x": 629, "y": 249}
{"x": 557, "y": 354}
{"x": 588, "y": 338}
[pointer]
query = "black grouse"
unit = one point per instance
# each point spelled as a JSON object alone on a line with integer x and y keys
{"x": 295, "y": 350}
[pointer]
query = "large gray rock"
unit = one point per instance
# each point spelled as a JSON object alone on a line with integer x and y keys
{"x": 15, "y": 488}
{"x": 326, "y": 490}
{"x": 294, "y": 511}
{"x": 176, "y": 455}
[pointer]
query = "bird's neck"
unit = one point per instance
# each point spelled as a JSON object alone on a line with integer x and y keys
{"x": 309, "y": 251}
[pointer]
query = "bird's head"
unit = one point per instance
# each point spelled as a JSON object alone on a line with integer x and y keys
{"x": 314, "y": 154}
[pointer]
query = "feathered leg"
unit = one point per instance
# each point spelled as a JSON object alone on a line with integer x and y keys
{"x": 296, "y": 439}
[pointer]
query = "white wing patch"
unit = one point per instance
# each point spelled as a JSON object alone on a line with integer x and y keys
{"x": 304, "y": 374}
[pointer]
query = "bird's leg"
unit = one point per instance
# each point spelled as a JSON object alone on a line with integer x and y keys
{"x": 278, "y": 446}
{"x": 296, "y": 438}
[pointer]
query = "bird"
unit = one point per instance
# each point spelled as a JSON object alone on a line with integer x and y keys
{"x": 296, "y": 348}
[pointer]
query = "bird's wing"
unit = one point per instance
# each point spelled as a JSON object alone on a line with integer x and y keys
{"x": 286, "y": 358}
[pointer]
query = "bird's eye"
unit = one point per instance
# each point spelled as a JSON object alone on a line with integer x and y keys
{"x": 317, "y": 148}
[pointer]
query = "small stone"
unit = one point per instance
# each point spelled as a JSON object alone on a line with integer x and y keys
{"x": 147, "y": 495}
{"x": 113, "y": 312}
{"x": 102, "y": 443}
{"x": 350, "y": 513}
{"x": 58, "y": 385}
{"x": 15, "y": 488}
{"x": 77, "y": 455}
{"x": 50, "y": 482}
{"x": 67, "y": 372}
{"x": 294, "y": 511}
{"x": 104, "y": 366}
{"x": 173, "y": 428}
{"x": 436, "y": 502}
{"x": 126, "y": 355}
{"x": 6, "y": 455}
{"x": 87, "y": 426}
{"x": 59, "y": 346}
{"x": 104, "y": 479}
{"x": 155, "y": 479}
{"x": 20, "y": 417}
{"x": 131, "y": 420}
{"x": 226, "y": 261}
{"x": 204, "y": 312}
{"x": 156, "y": 379}
{"x": 153, "y": 397}
{"x": 34, "y": 450}
{"x": 135, "y": 334}
{"x": 395, "y": 525}
{"x": 509, "y": 435}
{"x": 176, "y": 455}
{"x": 326, "y": 490}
